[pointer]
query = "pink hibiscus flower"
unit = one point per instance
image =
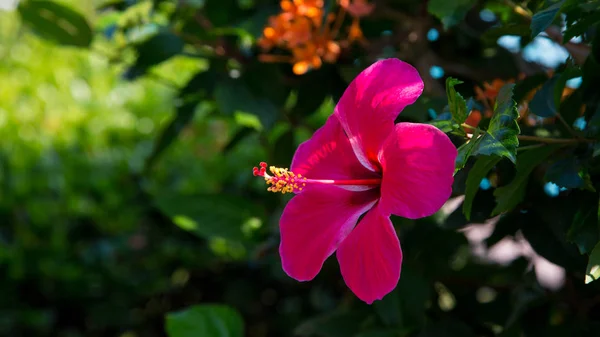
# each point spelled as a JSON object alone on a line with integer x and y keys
{"x": 361, "y": 163}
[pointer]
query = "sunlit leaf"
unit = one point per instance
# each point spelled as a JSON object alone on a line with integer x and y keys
{"x": 56, "y": 22}
{"x": 456, "y": 103}
{"x": 205, "y": 320}
{"x": 592, "y": 272}
{"x": 512, "y": 194}
{"x": 501, "y": 136}
{"x": 444, "y": 125}
{"x": 210, "y": 215}
{"x": 479, "y": 171}
{"x": 156, "y": 49}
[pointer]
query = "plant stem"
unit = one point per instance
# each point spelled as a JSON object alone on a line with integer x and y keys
{"x": 543, "y": 140}
{"x": 555, "y": 140}
{"x": 465, "y": 125}
{"x": 530, "y": 147}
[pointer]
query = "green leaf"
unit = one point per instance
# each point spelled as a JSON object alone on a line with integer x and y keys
{"x": 543, "y": 104}
{"x": 509, "y": 196}
{"x": 492, "y": 35}
{"x": 444, "y": 125}
{"x": 205, "y": 320}
{"x": 465, "y": 151}
{"x": 501, "y": 137}
{"x": 199, "y": 86}
{"x": 56, "y": 22}
{"x": 563, "y": 77}
{"x": 581, "y": 26}
{"x": 524, "y": 87}
{"x": 592, "y": 272}
{"x": 547, "y": 100}
{"x": 450, "y": 12}
{"x": 479, "y": 171}
{"x": 565, "y": 173}
{"x": 232, "y": 96}
{"x": 584, "y": 230}
{"x": 542, "y": 19}
{"x": 389, "y": 309}
{"x": 210, "y": 215}
{"x": 456, "y": 103}
{"x": 334, "y": 324}
{"x": 156, "y": 49}
{"x": 381, "y": 333}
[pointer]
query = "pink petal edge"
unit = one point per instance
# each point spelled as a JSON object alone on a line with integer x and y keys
{"x": 371, "y": 103}
{"x": 370, "y": 257}
{"x": 418, "y": 166}
{"x": 314, "y": 223}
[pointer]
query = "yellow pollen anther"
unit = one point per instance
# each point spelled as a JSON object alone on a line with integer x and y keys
{"x": 283, "y": 180}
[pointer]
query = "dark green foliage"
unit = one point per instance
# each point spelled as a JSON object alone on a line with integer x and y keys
{"x": 128, "y": 206}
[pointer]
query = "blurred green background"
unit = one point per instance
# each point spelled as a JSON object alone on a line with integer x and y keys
{"x": 128, "y": 131}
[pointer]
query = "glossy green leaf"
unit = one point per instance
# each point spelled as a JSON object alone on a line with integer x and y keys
{"x": 509, "y": 196}
{"x": 479, "y": 171}
{"x": 450, "y": 12}
{"x": 56, "y": 22}
{"x": 592, "y": 272}
{"x": 210, "y": 215}
{"x": 501, "y": 137}
{"x": 205, "y": 320}
{"x": 456, "y": 103}
{"x": 542, "y": 19}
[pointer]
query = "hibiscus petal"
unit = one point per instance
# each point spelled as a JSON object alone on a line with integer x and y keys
{"x": 328, "y": 155}
{"x": 371, "y": 103}
{"x": 418, "y": 166}
{"x": 370, "y": 257}
{"x": 314, "y": 223}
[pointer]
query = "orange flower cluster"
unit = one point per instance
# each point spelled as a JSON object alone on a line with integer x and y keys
{"x": 309, "y": 35}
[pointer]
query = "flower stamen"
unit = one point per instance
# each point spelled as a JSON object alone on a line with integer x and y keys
{"x": 285, "y": 181}
{"x": 282, "y": 180}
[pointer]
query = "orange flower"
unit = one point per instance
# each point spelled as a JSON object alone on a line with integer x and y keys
{"x": 473, "y": 120}
{"x": 310, "y": 40}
